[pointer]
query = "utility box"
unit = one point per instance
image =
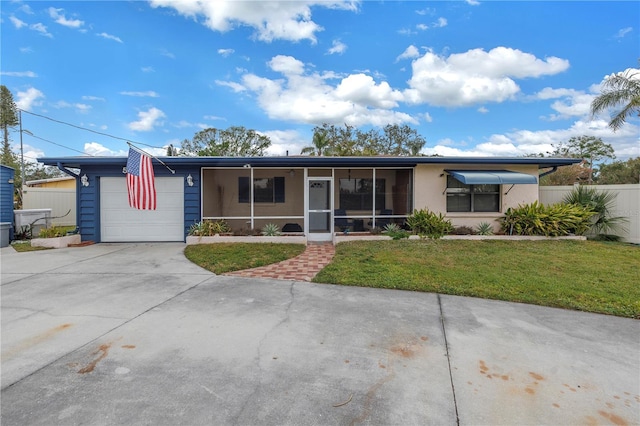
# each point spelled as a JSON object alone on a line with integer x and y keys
{"x": 37, "y": 219}
{"x": 5, "y": 228}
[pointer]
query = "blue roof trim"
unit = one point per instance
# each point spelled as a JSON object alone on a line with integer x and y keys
{"x": 494, "y": 177}
{"x": 305, "y": 161}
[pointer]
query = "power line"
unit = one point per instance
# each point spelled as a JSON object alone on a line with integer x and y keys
{"x": 88, "y": 130}
{"x": 46, "y": 140}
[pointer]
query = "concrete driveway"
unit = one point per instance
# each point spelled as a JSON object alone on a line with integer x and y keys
{"x": 135, "y": 334}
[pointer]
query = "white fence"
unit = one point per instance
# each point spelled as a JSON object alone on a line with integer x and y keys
{"x": 59, "y": 200}
{"x": 626, "y": 204}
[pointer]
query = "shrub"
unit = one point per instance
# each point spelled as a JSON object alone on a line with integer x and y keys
{"x": 600, "y": 202}
{"x": 484, "y": 228}
{"x": 395, "y": 232}
{"x": 208, "y": 228}
{"x": 551, "y": 221}
{"x": 426, "y": 223}
{"x": 53, "y": 232}
{"x": 270, "y": 230}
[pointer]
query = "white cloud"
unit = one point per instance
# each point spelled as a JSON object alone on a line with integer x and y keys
{"x": 311, "y": 98}
{"x": 337, "y": 47}
{"x": 285, "y": 20}
{"x": 147, "y": 94}
{"x": 285, "y": 140}
{"x": 225, "y": 52}
{"x": 99, "y": 150}
{"x": 475, "y": 76}
{"x": 440, "y": 23}
{"x": 165, "y": 52}
{"x": 483, "y": 110}
{"x": 571, "y": 103}
{"x": 623, "y": 32}
{"x": 17, "y": 22}
{"x": 92, "y": 98}
{"x": 147, "y": 69}
{"x": 409, "y": 53}
{"x": 213, "y": 117}
{"x": 109, "y": 37}
{"x": 427, "y": 117}
{"x": 147, "y": 120}
{"x": 30, "y": 74}
{"x": 29, "y": 98}
{"x": 521, "y": 142}
{"x": 61, "y": 19}
{"x": 26, "y": 50}
{"x": 236, "y": 87}
{"x": 40, "y": 28}
{"x": 422, "y": 27}
{"x": 81, "y": 108}
{"x": 473, "y": 2}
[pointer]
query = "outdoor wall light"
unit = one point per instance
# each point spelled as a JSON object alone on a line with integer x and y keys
{"x": 84, "y": 180}
{"x": 292, "y": 173}
{"x": 189, "y": 180}
{"x": 10, "y": 181}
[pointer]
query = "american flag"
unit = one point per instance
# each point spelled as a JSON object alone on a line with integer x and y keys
{"x": 140, "y": 181}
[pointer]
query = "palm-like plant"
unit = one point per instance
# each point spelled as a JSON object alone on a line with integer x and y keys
{"x": 600, "y": 202}
{"x": 321, "y": 145}
{"x": 622, "y": 88}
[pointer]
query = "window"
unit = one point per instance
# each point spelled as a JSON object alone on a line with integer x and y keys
{"x": 472, "y": 198}
{"x": 357, "y": 194}
{"x": 265, "y": 190}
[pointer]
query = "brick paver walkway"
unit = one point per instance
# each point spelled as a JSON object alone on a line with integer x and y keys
{"x": 300, "y": 268}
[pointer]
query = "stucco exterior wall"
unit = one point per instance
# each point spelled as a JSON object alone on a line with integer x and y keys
{"x": 431, "y": 184}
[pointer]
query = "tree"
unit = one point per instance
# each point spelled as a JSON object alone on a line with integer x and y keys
{"x": 621, "y": 89}
{"x": 349, "y": 141}
{"x": 320, "y": 144}
{"x": 588, "y": 148}
{"x": 566, "y": 175}
{"x": 401, "y": 140}
{"x": 8, "y": 115}
{"x": 236, "y": 141}
{"x": 620, "y": 172}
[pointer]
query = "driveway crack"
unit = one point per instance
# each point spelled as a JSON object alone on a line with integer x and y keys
{"x": 446, "y": 346}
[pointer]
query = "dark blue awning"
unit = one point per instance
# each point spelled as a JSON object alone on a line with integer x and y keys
{"x": 495, "y": 177}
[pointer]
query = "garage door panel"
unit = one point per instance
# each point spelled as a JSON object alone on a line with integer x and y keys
{"x": 121, "y": 223}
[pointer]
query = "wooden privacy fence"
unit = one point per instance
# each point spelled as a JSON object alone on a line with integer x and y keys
{"x": 59, "y": 200}
{"x": 626, "y": 204}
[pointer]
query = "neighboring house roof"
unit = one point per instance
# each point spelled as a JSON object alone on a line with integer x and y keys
{"x": 50, "y": 180}
{"x": 309, "y": 161}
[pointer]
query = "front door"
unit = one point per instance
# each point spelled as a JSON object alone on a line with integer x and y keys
{"x": 319, "y": 222}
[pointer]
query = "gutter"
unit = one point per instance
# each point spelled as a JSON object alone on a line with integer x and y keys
{"x": 548, "y": 172}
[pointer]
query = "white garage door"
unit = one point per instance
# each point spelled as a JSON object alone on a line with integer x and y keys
{"x": 121, "y": 223}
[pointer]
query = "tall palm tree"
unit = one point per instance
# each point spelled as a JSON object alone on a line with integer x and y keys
{"x": 621, "y": 88}
{"x": 321, "y": 145}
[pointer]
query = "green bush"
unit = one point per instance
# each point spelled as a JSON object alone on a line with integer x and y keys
{"x": 601, "y": 203}
{"x": 484, "y": 228}
{"x": 395, "y": 232}
{"x": 53, "y": 232}
{"x": 551, "y": 221}
{"x": 270, "y": 230}
{"x": 207, "y": 228}
{"x": 426, "y": 223}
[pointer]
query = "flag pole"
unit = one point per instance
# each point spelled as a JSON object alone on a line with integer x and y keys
{"x": 152, "y": 156}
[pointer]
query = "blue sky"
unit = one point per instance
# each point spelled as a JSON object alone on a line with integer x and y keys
{"x": 474, "y": 78}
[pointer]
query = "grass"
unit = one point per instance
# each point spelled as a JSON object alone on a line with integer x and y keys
{"x": 26, "y": 246}
{"x": 227, "y": 257}
{"x": 581, "y": 275}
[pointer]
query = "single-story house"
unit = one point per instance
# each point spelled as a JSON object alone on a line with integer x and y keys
{"x": 64, "y": 182}
{"x": 316, "y": 196}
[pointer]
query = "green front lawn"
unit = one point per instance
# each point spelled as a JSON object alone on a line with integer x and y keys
{"x": 227, "y": 257}
{"x": 582, "y": 275}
